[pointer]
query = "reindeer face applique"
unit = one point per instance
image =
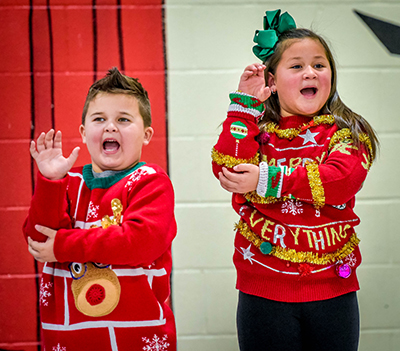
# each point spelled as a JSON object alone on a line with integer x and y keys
{"x": 95, "y": 286}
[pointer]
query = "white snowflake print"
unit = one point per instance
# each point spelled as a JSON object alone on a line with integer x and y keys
{"x": 156, "y": 344}
{"x": 92, "y": 211}
{"x": 351, "y": 260}
{"x": 59, "y": 348}
{"x": 293, "y": 207}
{"x": 43, "y": 293}
{"x": 138, "y": 174}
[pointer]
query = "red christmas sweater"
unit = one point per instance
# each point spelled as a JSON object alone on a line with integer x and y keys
{"x": 295, "y": 239}
{"x": 109, "y": 288}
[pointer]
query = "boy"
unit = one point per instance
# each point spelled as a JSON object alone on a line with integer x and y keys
{"x": 104, "y": 230}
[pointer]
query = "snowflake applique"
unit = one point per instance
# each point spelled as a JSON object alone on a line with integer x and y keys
{"x": 92, "y": 210}
{"x": 351, "y": 260}
{"x": 156, "y": 344}
{"x": 293, "y": 207}
{"x": 43, "y": 293}
{"x": 59, "y": 348}
{"x": 137, "y": 175}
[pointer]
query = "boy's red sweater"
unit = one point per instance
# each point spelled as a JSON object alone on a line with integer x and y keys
{"x": 295, "y": 239}
{"x": 109, "y": 288}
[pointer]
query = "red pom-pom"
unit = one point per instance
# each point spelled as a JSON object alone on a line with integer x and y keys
{"x": 305, "y": 269}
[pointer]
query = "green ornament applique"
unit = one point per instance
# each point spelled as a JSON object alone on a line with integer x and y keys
{"x": 239, "y": 130}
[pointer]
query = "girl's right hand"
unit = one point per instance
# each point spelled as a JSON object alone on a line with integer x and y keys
{"x": 47, "y": 152}
{"x": 252, "y": 82}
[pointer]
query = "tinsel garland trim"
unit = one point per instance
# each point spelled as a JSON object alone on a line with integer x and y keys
{"x": 292, "y": 133}
{"x": 317, "y": 190}
{"x": 299, "y": 256}
{"x": 253, "y": 197}
{"x": 230, "y": 161}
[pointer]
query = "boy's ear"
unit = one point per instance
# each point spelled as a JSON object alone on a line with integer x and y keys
{"x": 148, "y": 134}
{"x": 83, "y": 133}
{"x": 271, "y": 81}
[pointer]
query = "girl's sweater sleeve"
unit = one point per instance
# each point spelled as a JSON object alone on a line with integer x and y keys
{"x": 48, "y": 207}
{"x": 146, "y": 232}
{"x": 237, "y": 143}
{"x": 333, "y": 182}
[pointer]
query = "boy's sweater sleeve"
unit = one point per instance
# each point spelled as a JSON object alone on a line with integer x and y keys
{"x": 333, "y": 182}
{"x": 146, "y": 232}
{"x": 48, "y": 207}
{"x": 237, "y": 143}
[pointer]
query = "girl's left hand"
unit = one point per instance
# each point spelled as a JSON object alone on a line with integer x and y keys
{"x": 252, "y": 82}
{"x": 43, "y": 252}
{"x": 243, "y": 181}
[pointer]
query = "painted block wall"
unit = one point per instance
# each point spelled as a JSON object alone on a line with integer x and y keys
{"x": 209, "y": 43}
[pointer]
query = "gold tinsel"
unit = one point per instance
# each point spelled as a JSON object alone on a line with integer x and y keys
{"x": 257, "y": 199}
{"x": 291, "y": 133}
{"x": 344, "y": 134}
{"x": 230, "y": 161}
{"x": 317, "y": 190}
{"x": 300, "y": 256}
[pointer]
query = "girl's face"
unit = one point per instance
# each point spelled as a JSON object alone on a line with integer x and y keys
{"x": 302, "y": 79}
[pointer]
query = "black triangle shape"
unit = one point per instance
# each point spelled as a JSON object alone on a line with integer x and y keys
{"x": 387, "y": 33}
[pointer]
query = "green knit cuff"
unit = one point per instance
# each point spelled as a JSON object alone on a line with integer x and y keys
{"x": 241, "y": 102}
{"x": 270, "y": 180}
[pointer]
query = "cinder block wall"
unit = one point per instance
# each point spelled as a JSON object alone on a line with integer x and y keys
{"x": 209, "y": 43}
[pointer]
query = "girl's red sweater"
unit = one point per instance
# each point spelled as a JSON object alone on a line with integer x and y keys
{"x": 295, "y": 239}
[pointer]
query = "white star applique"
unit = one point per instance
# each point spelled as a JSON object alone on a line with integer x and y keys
{"x": 309, "y": 137}
{"x": 247, "y": 254}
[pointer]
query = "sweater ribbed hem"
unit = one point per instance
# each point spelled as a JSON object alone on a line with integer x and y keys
{"x": 296, "y": 289}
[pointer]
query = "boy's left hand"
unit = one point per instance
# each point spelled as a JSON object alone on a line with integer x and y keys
{"x": 43, "y": 252}
{"x": 243, "y": 180}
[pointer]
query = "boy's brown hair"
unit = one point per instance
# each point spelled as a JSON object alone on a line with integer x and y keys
{"x": 117, "y": 83}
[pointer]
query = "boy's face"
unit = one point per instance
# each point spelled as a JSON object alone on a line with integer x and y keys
{"x": 114, "y": 132}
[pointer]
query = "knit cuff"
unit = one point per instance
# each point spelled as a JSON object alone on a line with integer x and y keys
{"x": 270, "y": 180}
{"x": 244, "y": 103}
{"x": 262, "y": 185}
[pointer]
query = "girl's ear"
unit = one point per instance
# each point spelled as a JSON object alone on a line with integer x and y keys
{"x": 271, "y": 81}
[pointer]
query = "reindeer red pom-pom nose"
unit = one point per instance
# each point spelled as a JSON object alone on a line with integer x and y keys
{"x": 95, "y": 294}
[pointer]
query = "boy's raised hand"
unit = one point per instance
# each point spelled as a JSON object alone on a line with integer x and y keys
{"x": 252, "y": 82}
{"x": 47, "y": 152}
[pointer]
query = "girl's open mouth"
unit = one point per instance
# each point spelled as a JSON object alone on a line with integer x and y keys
{"x": 308, "y": 92}
{"x": 110, "y": 145}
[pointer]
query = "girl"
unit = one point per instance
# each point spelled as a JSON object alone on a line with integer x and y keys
{"x": 294, "y": 156}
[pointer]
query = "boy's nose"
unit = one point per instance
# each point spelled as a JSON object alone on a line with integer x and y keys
{"x": 110, "y": 127}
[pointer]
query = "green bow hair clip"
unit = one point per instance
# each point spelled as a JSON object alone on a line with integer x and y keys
{"x": 274, "y": 25}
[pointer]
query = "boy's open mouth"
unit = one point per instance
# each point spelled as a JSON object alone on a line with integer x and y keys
{"x": 308, "y": 91}
{"x": 110, "y": 145}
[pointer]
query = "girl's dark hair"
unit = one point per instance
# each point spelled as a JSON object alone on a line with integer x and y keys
{"x": 117, "y": 83}
{"x": 344, "y": 116}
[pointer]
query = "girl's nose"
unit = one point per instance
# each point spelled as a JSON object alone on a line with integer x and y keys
{"x": 309, "y": 73}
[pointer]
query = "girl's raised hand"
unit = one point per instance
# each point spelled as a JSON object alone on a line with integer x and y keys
{"x": 47, "y": 152}
{"x": 252, "y": 82}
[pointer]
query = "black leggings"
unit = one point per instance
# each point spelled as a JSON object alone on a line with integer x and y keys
{"x": 328, "y": 325}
